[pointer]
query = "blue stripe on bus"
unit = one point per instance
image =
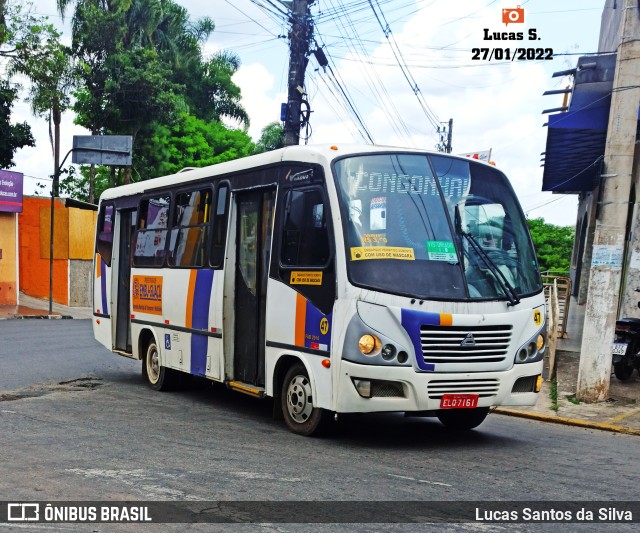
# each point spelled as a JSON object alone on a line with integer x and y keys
{"x": 411, "y": 321}
{"x": 200, "y": 320}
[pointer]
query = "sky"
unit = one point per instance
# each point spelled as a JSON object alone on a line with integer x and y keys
{"x": 494, "y": 105}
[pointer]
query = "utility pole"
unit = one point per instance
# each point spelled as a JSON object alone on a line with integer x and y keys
{"x": 608, "y": 244}
{"x": 299, "y": 38}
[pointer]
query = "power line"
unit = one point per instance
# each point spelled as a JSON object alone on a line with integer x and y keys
{"x": 386, "y": 29}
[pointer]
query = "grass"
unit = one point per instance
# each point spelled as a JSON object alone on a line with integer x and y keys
{"x": 573, "y": 400}
{"x": 553, "y": 394}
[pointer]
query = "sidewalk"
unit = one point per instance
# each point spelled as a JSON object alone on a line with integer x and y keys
{"x": 620, "y": 413}
{"x": 31, "y": 307}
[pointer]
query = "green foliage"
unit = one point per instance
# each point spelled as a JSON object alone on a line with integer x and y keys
{"x": 12, "y": 136}
{"x": 553, "y": 244}
{"x": 271, "y": 138}
{"x": 143, "y": 74}
{"x": 190, "y": 142}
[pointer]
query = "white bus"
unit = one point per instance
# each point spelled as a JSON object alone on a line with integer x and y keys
{"x": 335, "y": 279}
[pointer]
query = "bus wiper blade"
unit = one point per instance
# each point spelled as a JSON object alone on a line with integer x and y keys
{"x": 508, "y": 290}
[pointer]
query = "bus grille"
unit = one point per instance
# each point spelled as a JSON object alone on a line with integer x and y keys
{"x": 462, "y": 344}
{"x": 481, "y": 387}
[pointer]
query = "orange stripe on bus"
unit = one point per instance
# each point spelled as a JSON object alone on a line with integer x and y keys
{"x": 190, "y": 294}
{"x": 301, "y": 318}
{"x": 98, "y": 266}
{"x": 446, "y": 319}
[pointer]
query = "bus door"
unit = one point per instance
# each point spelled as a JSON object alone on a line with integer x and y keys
{"x": 253, "y": 251}
{"x": 125, "y": 229}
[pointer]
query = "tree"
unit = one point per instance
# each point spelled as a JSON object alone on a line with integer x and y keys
{"x": 191, "y": 142}
{"x": 142, "y": 66}
{"x": 553, "y": 244}
{"x": 12, "y": 136}
{"x": 271, "y": 138}
{"x": 49, "y": 67}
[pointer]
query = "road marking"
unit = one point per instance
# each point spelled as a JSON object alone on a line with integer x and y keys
{"x": 622, "y": 416}
{"x": 138, "y": 479}
{"x": 421, "y": 480}
{"x": 263, "y": 475}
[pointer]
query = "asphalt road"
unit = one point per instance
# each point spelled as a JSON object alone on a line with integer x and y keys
{"x": 78, "y": 423}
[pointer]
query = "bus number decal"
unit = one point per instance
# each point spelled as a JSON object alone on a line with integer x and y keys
{"x": 305, "y": 278}
{"x": 324, "y": 326}
{"x": 147, "y": 294}
{"x": 537, "y": 317}
{"x": 358, "y": 253}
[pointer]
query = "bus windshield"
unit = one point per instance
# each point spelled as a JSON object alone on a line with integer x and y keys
{"x": 431, "y": 226}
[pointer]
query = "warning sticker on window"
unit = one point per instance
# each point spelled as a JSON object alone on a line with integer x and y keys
{"x": 305, "y": 278}
{"x": 359, "y": 253}
{"x": 442, "y": 251}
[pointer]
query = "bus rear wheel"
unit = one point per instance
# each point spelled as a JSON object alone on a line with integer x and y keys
{"x": 463, "y": 419}
{"x": 157, "y": 376}
{"x": 296, "y": 401}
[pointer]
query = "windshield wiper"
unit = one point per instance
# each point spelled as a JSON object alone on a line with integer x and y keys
{"x": 499, "y": 276}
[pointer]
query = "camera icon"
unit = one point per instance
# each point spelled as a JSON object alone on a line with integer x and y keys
{"x": 513, "y": 15}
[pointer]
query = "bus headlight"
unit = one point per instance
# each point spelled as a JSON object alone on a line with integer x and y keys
{"x": 369, "y": 344}
{"x": 533, "y": 350}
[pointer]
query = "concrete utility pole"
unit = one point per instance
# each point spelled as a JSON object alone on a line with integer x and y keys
{"x": 299, "y": 38}
{"x": 608, "y": 244}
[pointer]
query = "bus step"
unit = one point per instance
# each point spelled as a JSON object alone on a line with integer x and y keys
{"x": 246, "y": 388}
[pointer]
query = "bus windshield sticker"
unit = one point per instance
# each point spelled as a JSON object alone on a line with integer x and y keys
{"x": 359, "y": 253}
{"x": 147, "y": 294}
{"x": 300, "y": 177}
{"x": 378, "y": 213}
{"x": 305, "y": 278}
{"x": 442, "y": 251}
{"x": 374, "y": 238}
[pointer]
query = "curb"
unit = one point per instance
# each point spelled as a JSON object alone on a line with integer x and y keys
{"x": 568, "y": 421}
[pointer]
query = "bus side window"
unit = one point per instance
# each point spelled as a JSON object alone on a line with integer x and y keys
{"x": 220, "y": 226}
{"x": 104, "y": 240}
{"x": 305, "y": 238}
{"x": 151, "y": 237}
{"x": 187, "y": 243}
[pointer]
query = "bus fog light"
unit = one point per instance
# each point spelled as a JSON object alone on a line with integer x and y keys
{"x": 538, "y": 383}
{"x": 388, "y": 352}
{"x": 369, "y": 344}
{"x": 363, "y": 386}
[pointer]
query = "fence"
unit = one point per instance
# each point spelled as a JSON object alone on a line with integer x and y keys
{"x": 564, "y": 298}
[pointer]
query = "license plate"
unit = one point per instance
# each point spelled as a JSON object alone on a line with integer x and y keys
{"x": 459, "y": 401}
{"x": 619, "y": 348}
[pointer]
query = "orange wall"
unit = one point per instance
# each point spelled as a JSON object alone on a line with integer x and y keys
{"x": 8, "y": 274}
{"x": 34, "y": 268}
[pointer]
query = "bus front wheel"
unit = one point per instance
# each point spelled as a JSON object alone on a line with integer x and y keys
{"x": 463, "y": 418}
{"x": 296, "y": 400}
{"x": 156, "y": 375}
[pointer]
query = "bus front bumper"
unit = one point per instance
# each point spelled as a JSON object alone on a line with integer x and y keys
{"x": 403, "y": 389}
